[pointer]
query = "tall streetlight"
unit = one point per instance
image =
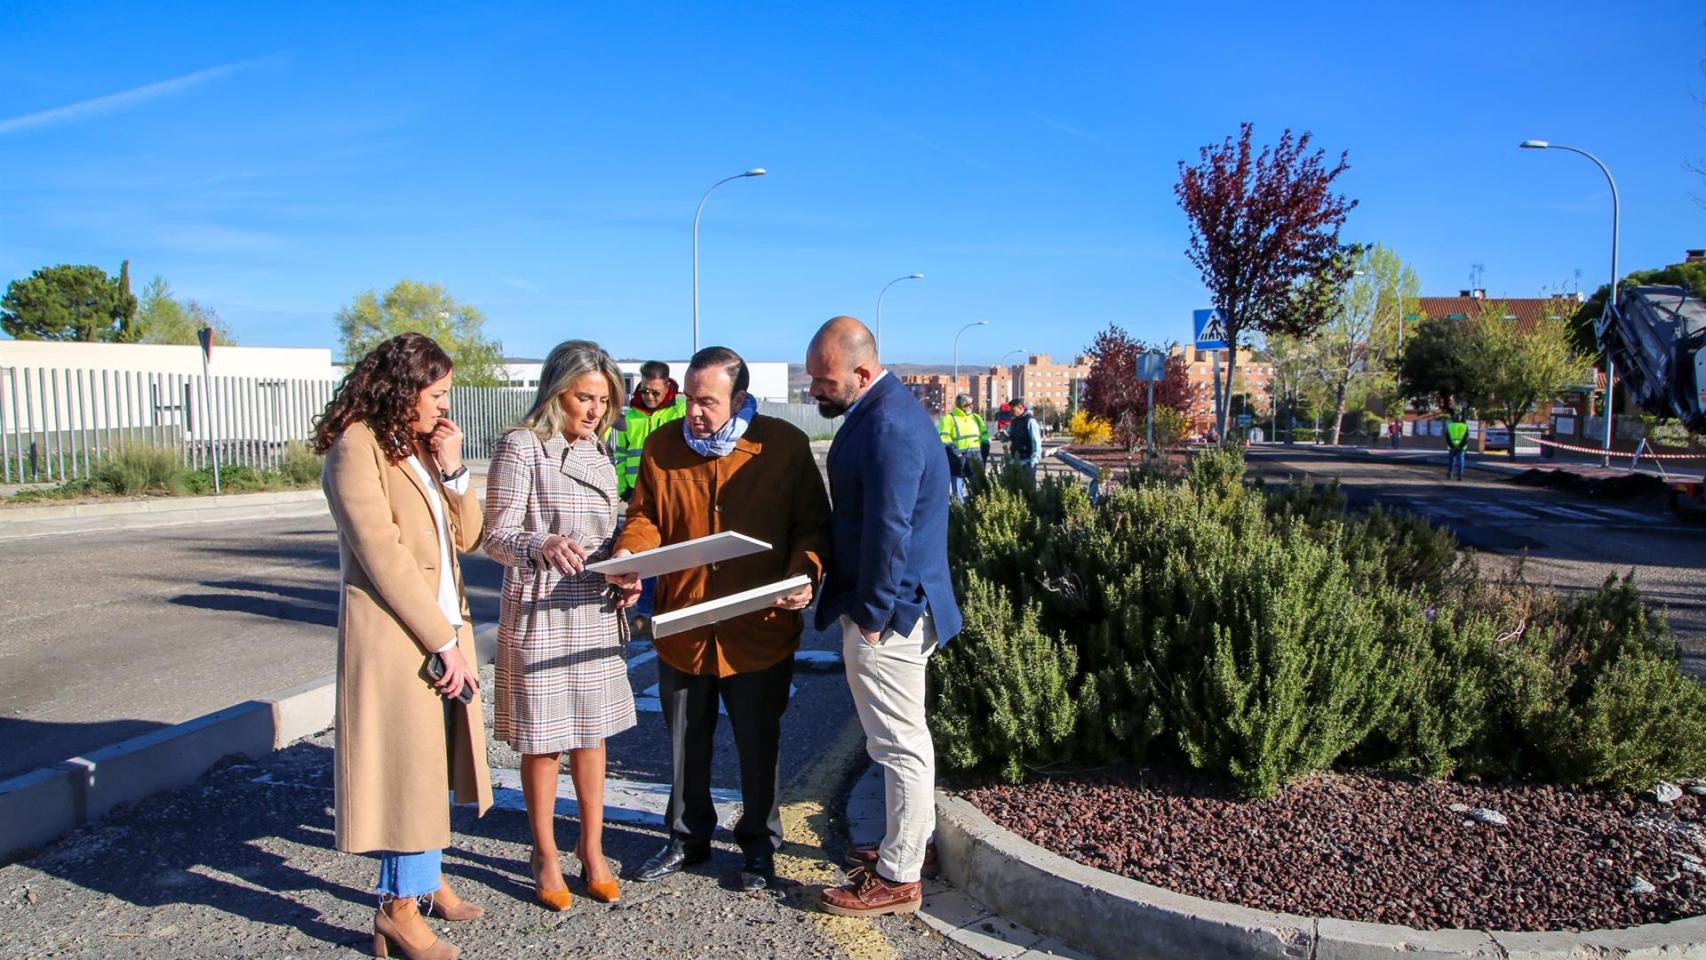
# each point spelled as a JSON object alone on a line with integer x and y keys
{"x": 1610, "y": 364}
{"x": 754, "y": 172}
{"x": 974, "y": 323}
{"x": 1003, "y": 363}
{"x": 886, "y": 286}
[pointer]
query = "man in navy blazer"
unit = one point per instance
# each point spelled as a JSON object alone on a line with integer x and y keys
{"x": 888, "y": 586}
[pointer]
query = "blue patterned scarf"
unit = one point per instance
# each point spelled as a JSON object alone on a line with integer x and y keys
{"x": 722, "y": 443}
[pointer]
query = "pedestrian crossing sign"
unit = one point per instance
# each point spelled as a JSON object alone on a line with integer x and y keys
{"x": 1210, "y": 332}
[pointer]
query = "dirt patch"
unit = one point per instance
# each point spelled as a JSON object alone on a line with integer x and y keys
{"x": 1629, "y": 486}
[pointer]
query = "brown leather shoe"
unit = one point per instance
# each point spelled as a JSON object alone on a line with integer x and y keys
{"x": 869, "y": 895}
{"x": 444, "y": 904}
{"x": 398, "y": 924}
{"x": 863, "y": 858}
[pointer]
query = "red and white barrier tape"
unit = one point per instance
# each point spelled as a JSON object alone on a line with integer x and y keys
{"x": 1601, "y": 452}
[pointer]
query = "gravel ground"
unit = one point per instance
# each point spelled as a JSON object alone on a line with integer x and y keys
{"x": 1378, "y": 850}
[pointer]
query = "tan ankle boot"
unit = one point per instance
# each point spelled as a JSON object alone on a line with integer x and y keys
{"x": 446, "y": 905}
{"x": 398, "y": 924}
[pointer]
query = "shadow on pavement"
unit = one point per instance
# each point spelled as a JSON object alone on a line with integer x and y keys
{"x": 223, "y": 843}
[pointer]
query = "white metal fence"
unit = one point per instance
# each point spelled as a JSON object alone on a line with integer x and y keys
{"x": 802, "y": 415}
{"x": 58, "y": 424}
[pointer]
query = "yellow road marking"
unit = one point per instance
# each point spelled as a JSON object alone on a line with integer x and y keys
{"x": 805, "y": 823}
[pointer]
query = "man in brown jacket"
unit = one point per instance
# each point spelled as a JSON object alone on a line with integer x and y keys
{"x": 727, "y": 468}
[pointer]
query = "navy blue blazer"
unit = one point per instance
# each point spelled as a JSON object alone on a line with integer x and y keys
{"x": 888, "y": 487}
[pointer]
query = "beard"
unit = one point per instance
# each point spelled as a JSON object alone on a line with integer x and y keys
{"x": 831, "y": 407}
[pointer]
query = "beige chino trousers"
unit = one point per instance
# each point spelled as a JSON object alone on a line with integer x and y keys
{"x": 887, "y": 681}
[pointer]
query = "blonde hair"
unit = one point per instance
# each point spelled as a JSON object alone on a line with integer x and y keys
{"x": 569, "y": 361}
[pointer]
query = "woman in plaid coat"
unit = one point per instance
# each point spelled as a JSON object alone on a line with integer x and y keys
{"x": 561, "y": 681}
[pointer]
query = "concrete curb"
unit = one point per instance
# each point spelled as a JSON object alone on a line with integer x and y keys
{"x": 43, "y": 805}
{"x": 1113, "y": 916}
{"x": 18, "y": 523}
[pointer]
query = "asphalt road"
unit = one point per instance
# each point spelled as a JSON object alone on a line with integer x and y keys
{"x": 240, "y": 863}
{"x": 105, "y": 636}
{"x": 1561, "y": 539}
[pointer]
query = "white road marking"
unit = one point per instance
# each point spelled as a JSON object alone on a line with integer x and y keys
{"x": 646, "y": 701}
{"x": 625, "y": 801}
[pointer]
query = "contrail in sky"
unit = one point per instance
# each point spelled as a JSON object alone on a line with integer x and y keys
{"x": 119, "y": 101}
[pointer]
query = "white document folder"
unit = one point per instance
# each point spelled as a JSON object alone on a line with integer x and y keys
{"x": 682, "y": 556}
{"x": 716, "y": 611}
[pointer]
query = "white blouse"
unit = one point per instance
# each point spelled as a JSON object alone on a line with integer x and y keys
{"x": 448, "y": 601}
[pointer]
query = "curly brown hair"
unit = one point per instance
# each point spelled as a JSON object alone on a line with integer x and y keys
{"x": 382, "y": 389}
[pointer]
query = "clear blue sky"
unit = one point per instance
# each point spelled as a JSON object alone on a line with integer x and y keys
{"x": 543, "y": 161}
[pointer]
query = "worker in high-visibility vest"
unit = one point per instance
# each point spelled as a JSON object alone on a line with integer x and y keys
{"x": 1456, "y": 445}
{"x": 965, "y": 436}
{"x": 655, "y": 403}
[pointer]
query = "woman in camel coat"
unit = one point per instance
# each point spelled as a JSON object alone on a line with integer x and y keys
{"x": 396, "y": 485}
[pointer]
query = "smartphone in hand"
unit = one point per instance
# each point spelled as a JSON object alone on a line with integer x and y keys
{"x": 435, "y": 671}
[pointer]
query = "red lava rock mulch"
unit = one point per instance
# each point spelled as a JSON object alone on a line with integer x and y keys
{"x": 1378, "y": 850}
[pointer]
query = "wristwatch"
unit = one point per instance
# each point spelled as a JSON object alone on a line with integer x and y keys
{"x": 455, "y": 476}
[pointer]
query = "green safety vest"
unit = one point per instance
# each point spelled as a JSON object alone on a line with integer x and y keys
{"x": 964, "y": 431}
{"x": 1456, "y": 432}
{"x": 627, "y": 442}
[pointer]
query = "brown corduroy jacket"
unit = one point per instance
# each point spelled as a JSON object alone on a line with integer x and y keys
{"x": 768, "y": 488}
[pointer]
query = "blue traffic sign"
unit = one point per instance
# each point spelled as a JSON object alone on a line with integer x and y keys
{"x": 1210, "y": 332}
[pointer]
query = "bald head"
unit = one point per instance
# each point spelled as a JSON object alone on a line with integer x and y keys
{"x": 842, "y": 361}
{"x": 847, "y": 339}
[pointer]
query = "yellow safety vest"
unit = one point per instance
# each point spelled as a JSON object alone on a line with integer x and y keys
{"x": 963, "y": 431}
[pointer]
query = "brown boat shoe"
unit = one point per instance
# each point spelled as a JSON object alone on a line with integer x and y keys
{"x": 869, "y": 895}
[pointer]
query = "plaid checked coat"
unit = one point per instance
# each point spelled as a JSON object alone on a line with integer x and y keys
{"x": 561, "y": 682}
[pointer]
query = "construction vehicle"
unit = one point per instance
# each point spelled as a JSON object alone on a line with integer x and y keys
{"x": 1657, "y": 337}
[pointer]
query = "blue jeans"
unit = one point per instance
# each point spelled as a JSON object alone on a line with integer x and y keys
{"x": 1454, "y": 466}
{"x": 409, "y": 874}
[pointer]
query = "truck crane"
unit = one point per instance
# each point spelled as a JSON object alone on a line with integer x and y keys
{"x": 1657, "y": 337}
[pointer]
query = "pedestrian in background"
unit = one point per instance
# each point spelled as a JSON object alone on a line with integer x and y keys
{"x": 965, "y": 435}
{"x": 728, "y": 468}
{"x": 1396, "y": 431}
{"x": 1024, "y": 438}
{"x": 562, "y": 684}
{"x": 657, "y": 400}
{"x": 1456, "y": 445}
{"x": 889, "y": 591}
{"x": 409, "y": 728}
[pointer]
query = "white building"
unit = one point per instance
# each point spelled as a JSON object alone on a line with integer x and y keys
{"x": 769, "y": 377}
{"x": 282, "y": 363}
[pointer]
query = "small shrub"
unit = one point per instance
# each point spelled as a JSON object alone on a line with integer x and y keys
{"x": 1171, "y": 426}
{"x": 136, "y": 469}
{"x": 301, "y": 466}
{"x": 1593, "y": 692}
{"x": 1002, "y": 688}
{"x": 1088, "y": 429}
{"x": 1274, "y": 664}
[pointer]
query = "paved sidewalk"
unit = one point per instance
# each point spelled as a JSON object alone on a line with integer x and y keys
{"x": 954, "y": 915}
{"x": 240, "y": 865}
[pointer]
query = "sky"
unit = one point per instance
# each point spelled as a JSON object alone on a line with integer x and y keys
{"x": 543, "y": 162}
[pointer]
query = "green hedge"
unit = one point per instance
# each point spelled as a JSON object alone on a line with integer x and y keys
{"x": 1264, "y": 634}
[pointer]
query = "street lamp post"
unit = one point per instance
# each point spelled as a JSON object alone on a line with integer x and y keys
{"x": 754, "y": 172}
{"x": 1020, "y": 352}
{"x": 886, "y": 286}
{"x": 1610, "y": 364}
{"x": 974, "y": 323}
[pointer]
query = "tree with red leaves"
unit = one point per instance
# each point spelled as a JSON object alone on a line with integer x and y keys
{"x": 1113, "y": 392}
{"x": 1259, "y": 228}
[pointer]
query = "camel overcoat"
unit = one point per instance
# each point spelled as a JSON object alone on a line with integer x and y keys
{"x": 398, "y": 753}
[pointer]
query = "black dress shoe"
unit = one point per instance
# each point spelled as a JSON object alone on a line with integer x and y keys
{"x": 671, "y": 859}
{"x": 756, "y": 874}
